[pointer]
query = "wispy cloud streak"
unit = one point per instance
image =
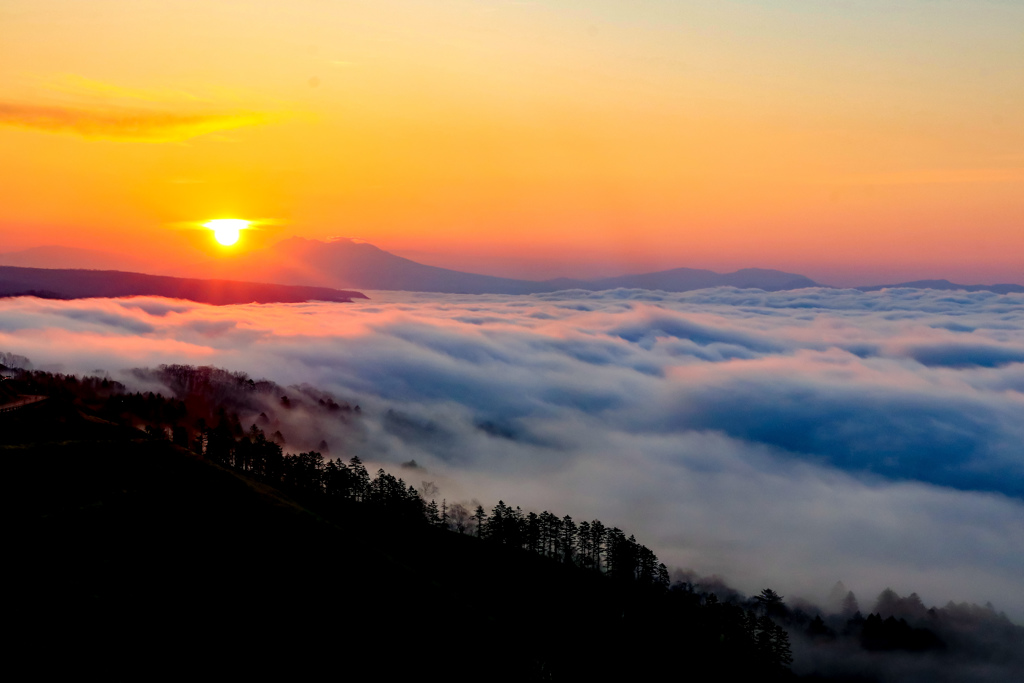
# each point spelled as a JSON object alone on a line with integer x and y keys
{"x": 124, "y": 123}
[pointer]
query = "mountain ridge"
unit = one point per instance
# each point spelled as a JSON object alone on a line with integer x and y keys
{"x": 83, "y": 284}
{"x": 346, "y": 264}
{"x": 53, "y": 256}
{"x": 360, "y": 265}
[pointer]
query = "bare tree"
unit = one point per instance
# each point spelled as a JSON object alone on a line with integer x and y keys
{"x": 459, "y": 517}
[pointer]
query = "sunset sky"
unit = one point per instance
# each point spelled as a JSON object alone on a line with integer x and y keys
{"x": 853, "y": 142}
{"x": 788, "y": 438}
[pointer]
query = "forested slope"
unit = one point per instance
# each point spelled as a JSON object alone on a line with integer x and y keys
{"x": 153, "y": 530}
{"x": 129, "y": 545}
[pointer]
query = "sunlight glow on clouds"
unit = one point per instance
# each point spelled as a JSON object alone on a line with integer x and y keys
{"x": 128, "y": 125}
{"x": 790, "y": 438}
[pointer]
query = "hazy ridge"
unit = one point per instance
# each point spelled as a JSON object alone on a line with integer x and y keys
{"x": 83, "y": 284}
{"x": 343, "y": 264}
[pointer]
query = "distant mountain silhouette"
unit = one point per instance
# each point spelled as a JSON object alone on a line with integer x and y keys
{"x": 73, "y": 257}
{"x": 946, "y": 284}
{"x": 353, "y": 264}
{"x": 350, "y": 263}
{"x": 81, "y": 284}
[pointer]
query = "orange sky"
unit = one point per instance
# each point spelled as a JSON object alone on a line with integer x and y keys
{"x": 851, "y": 142}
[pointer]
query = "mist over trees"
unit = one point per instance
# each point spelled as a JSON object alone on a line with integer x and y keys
{"x": 12, "y": 361}
{"x": 898, "y": 639}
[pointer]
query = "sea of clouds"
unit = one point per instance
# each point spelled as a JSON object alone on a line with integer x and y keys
{"x": 786, "y": 439}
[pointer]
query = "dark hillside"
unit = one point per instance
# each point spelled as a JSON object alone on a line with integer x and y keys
{"x": 130, "y": 548}
{"x": 157, "y": 531}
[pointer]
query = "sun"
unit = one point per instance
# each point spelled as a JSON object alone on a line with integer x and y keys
{"x": 227, "y": 230}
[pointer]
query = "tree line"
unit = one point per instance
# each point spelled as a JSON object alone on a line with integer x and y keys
{"x": 197, "y": 419}
{"x": 588, "y": 544}
{"x": 202, "y": 414}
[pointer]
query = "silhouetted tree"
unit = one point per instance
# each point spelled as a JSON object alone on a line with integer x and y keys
{"x": 850, "y": 606}
{"x": 481, "y": 520}
{"x": 434, "y": 514}
{"x": 771, "y": 603}
{"x": 818, "y": 630}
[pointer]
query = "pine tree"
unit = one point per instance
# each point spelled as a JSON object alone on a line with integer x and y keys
{"x": 433, "y": 515}
{"x": 850, "y": 606}
{"x": 598, "y": 539}
{"x": 568, "y": 538}
{"x": 481, "y": 519}
{"x": 360, "y": 479}
{"x": 771, "y": 603}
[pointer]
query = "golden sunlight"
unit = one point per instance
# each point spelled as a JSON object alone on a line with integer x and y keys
{"x": 227, "y": 230}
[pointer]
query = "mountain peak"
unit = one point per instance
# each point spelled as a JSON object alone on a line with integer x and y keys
{"x": 352, "y": 263}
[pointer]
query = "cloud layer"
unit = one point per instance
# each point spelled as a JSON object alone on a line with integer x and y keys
{"x": 787, "y": 439}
